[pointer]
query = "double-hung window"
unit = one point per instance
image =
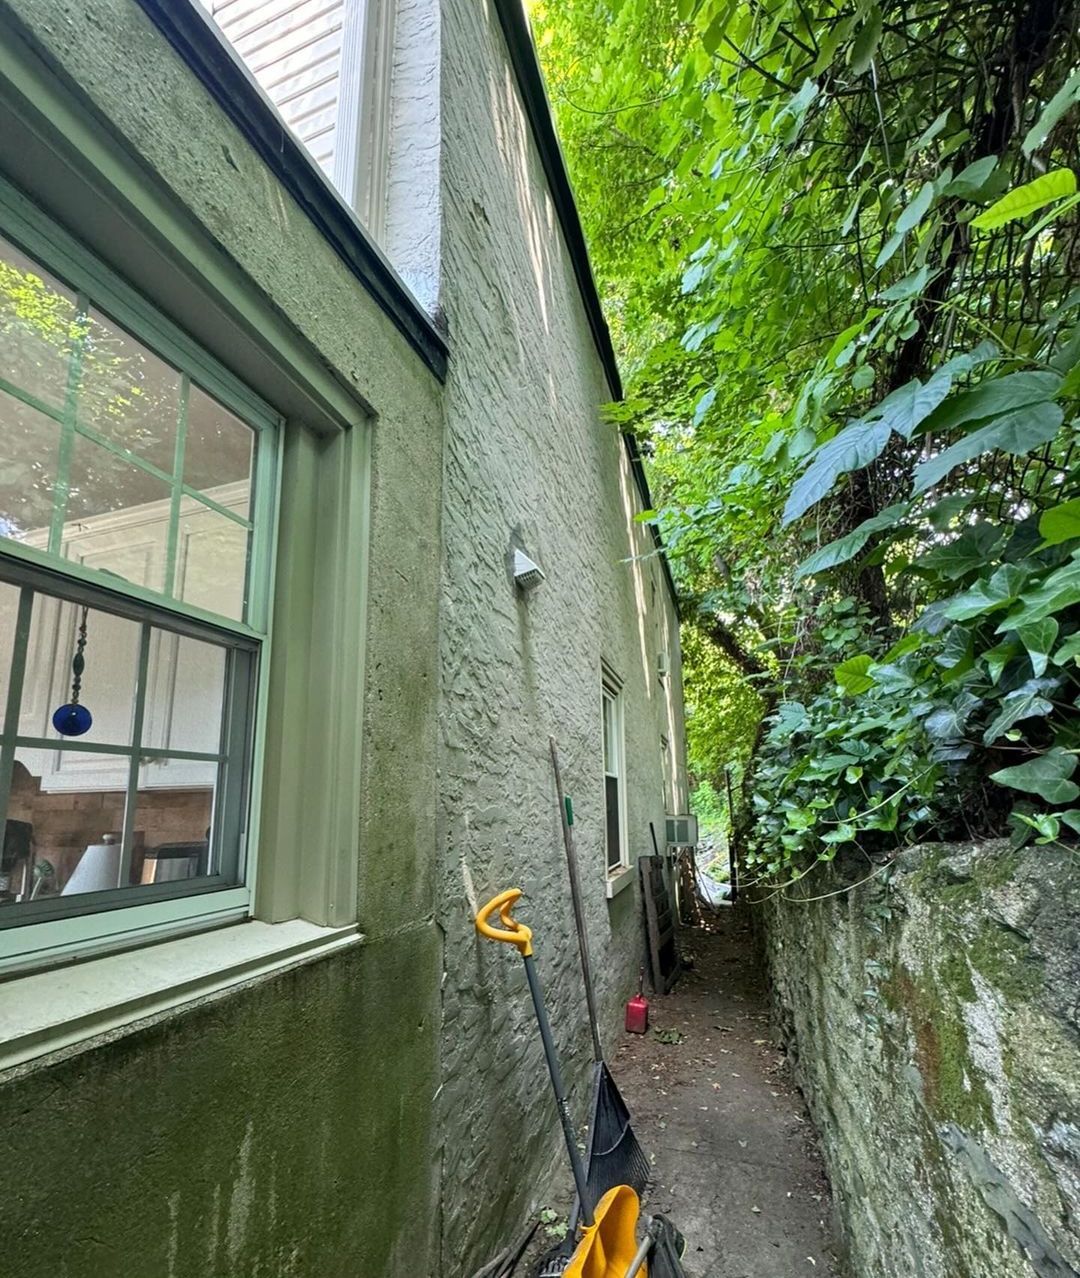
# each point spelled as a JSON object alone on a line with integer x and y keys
{"x": 137, "y": 491}
{"x": 614, "y": 778}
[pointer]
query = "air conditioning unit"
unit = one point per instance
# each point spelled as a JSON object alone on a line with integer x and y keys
{"x": 682, "y": 831}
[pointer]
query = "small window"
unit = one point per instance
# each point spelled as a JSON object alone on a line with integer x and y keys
{"x": 325, "y": 65}
{"x": 614, "y": 779}
{"x": 135, "y": 525}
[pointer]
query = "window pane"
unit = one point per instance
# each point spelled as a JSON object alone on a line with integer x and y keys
{"x": 218, "y": 452}
{"x": 172, "y": 825}
{"x": 128, "y": 394}
{"x": 185, "y": 692}
{"x": 107, "y": 689}
{"x": 614, "y": 825}
{"x": 38, "y": 322}
{"x": 9, "y": 612}
{"x": 60, "y": 842}
{"x": 211, "y": 570}
{"x": 29, "y": 448}
{"x": 118, "y": 516}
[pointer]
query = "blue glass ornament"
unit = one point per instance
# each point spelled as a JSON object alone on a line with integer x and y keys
{"x": 72, "y": 720}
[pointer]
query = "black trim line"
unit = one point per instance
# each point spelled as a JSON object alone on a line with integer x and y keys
{"x": 530, "y": 78}
{"x": 206, "y": 51}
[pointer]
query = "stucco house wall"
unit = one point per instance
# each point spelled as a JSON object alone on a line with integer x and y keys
{"x": 529, "y": 461}
{"x": 335, "y": 1119}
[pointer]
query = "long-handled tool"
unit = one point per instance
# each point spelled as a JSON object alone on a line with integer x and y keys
{"x": 608, "y": 1237}
{"x": 614, "y": 1156}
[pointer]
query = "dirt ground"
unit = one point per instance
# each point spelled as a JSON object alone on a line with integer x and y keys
{"x": 734, "y": 1160}
{"x": 735, "y": 1165}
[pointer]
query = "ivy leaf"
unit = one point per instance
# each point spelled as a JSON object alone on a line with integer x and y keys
{"x": 1000, "y": 590}
{"x": 1061, "y": 523}
{"x": 857, "y": 445}
{"x": 998, "y": 657}
{"x": 1047, "y": 775}
{"x": 948, "y": 722}
{"x": 866, "y": 42}
{"x": 847, "y": 547}
{"x": 1038, "y": 638}
{"x": 1052, "y": 112}
{"x": 1024, "y": 200}
{"x": 1069, "y": 650}
{"x": 1061, "y": 589}
{"x": 852, "y": 675}
{"x": 1026, "y": 702}
{"x": 1017, "y": 433}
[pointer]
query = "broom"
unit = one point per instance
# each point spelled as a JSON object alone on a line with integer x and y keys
{"x": 614, "y": 1156}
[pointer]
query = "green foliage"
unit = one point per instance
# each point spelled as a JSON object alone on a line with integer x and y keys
{"x": 839, "y": 247}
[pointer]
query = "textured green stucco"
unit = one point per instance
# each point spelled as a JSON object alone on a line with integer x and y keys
{"x": 273, "y": 1132}
{"x": 284, "y": 1127}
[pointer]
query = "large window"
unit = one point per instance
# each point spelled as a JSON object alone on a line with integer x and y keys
{"x": 614, "y": 778}
{"x": 326, "y": 67}
{"x": 136, "y": 503}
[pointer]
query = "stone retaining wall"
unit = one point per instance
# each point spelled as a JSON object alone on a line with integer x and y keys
{"x": 931, "y": 1014}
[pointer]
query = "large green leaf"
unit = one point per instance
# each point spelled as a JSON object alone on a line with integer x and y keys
{"x": 1047, "y": 775}
{"x": 866, "y": 42}
{"x": 1052, "y": 112}
{"x": 972, "y": 179}
{"x": 1024, "y": 200}
{"x": 845, "y": 548}
{"x": 993, "y": 397}
{"x": 973, "y": 549}
{"x": 1017, "y": 432}
{"x": 916, "y": 210}
{"x": 1061, "y": 523}
{"x": 852, "y": 675}
{"x": 856, "y": 446}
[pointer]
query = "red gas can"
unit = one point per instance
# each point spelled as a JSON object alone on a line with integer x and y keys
{"x": 637, "y": 1010}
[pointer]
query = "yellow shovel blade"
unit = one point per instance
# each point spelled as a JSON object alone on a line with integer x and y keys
{"x": 608, "y": 1245}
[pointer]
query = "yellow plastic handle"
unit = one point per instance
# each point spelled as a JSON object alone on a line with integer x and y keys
{"x": 516, "y": 933}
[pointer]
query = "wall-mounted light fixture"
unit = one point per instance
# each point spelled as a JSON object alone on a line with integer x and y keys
{"x": 527, "y": 574}
{"x": 662, "y": 665}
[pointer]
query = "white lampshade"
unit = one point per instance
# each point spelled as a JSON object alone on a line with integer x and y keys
{"x": 98, "y": 869}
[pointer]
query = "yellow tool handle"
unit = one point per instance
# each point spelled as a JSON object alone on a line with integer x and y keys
{"x": 516, "y": 933}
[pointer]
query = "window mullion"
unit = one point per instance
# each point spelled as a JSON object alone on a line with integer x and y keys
{"x": 67, "y": 425}
{"x": 136, "y": 756}
{"x": 173, "y": 533}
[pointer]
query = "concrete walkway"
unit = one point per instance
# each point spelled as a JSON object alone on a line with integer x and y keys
{"x": 734, "y": 1160}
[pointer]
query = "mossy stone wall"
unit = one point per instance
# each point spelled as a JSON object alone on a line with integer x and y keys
{"x": 932, "y": 1013}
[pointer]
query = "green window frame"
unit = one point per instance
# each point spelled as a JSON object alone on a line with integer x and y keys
{"x": 40, "y": 572}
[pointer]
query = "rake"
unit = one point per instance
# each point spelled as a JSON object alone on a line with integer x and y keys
{"x": 605, "y": 1246}
{"x": 614, "y": 1156}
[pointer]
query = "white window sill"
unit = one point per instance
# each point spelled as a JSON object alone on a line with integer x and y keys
{"x": 66, "y": 1006}
{"x": 618, "y": 880}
